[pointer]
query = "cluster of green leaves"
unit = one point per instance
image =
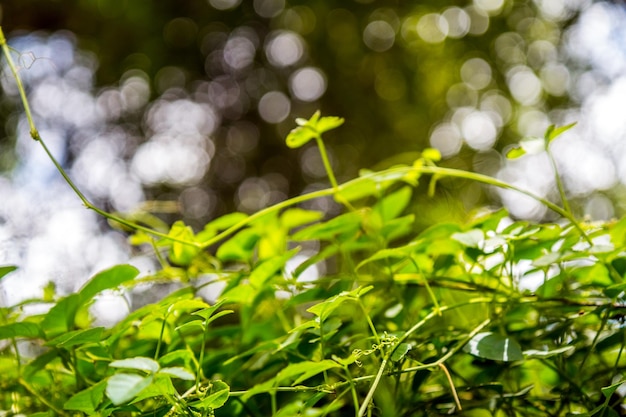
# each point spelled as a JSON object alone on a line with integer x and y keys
{"x": 399, "y": 322}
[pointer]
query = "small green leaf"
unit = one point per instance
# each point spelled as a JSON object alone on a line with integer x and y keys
{"x": 393, "y": 204}
{"x": 122, "y": 388}
{"x": 22, "y": 329}
{"x": 553, "y": 132}
{"x": 267, "y": 269}
{"x": 299, "y": 137}
{"x": 515, "y": 152}
{"x": 296, "y": 217}
{"x": 312, "y": 128}
{"x": 325, "y": 308}
{"x": 495, "y": 347}
{"x": 608, "y": 391}
{"x": 4, "y": 270}
{"x": 299, "y": 372}
{"x": 472, "y": 238}
{"x": 178, "y": 372}
{"x": 87, "y": 400}
{"x": 239, "y": 247}
{"x": 77, "y": 337}
{"x": 217, "y": 396}
{"x": 400, "y": 352}
{"x": 107, "y": 279}
{"x": 60, "y": 318}
{"x": 139, "y": 363}
{"x": 344, "y": 223}
{"x": 180, "y": 253}
{"x": 327, "y": 123}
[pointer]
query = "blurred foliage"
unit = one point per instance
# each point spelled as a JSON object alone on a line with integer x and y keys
{"x": 390, "y": 70}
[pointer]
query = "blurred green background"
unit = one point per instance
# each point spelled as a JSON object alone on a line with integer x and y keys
{"x": 180, "y": 108}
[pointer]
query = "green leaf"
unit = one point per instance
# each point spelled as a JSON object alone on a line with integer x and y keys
{"x": 21, "y": 329}
{"x": 393, "y": 204}
{"x": 60, "y": 318}
{"x": 495, "y": 347}
{"x": 139, "y": 363}
{"x": 87, "y": 400}
{"x": 217, "y": 396}
{"x": 312, "y": 128}
{"x": 180, "y": 253}
{"x": 4, "y": 270}
{"x": 77, "y": 337}
{"x": 299, "y": 372}
{"x": 267, "y": 269}
{"x": 327, "y": 123}
{"x": 178, "y": 372}
{"x": 296, "y": 217}
{"x": 325, "y": 308}
{"x": 400, "y": 352}
{"x": 472, "y": 238}
{"x": 515, "y": 152}
{"x": 110, "y": 278}
{"x": 553, "y": 132}
{"x": 122, "y": 388}
{"x": 193, "y": 304}
{"x": 385, "y": 254}
{"x": 202, "y": 325}
{"x": 608, "y": 391}
{"x": 239, "y": 247}
{"x": 344, "y": 223}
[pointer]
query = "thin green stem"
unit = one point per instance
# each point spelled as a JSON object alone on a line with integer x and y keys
{"x": 372, "y": 390}
{"x": 7, "y": 54}
{"x": 559, "y": 183}
{"x": 326, "y": 161}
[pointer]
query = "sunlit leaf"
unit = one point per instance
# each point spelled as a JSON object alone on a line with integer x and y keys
{"x": 20, "y": 329}
{"x": 239, "y": 247}
{"x": 108, "y": 279}
{"x": 296, "y": 217}
{"x": 345, "y": 223}
{"x": 515, "y": 152}
{"x": 60, "y": 318}
{"x": 268, "y": 268}
{"x": 77, "y": 337}
{"x": 4, "y": 270}
{"x": 178, "y": 372}
{"x": 325, "y": 308}
{"x": 122, "y": 388}
{"x": 495, "y": 347}
{"x": 87, "y": 400}
{"x": 393, "y": 204}
{"x": 180, "y": 253}
{"x": 327, "y": 123}
{"x": 553, "y": 132}
{"x": 472, "y": 238}
{"x": 300, "y": 136}
{"x": 139, "y": 363}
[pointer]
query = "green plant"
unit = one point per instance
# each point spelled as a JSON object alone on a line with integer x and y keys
{"x": 402, "y": 323}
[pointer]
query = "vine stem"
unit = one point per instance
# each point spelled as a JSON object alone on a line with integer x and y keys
{"x": 372, "y": 390}
{"x": 326, "y": 161}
